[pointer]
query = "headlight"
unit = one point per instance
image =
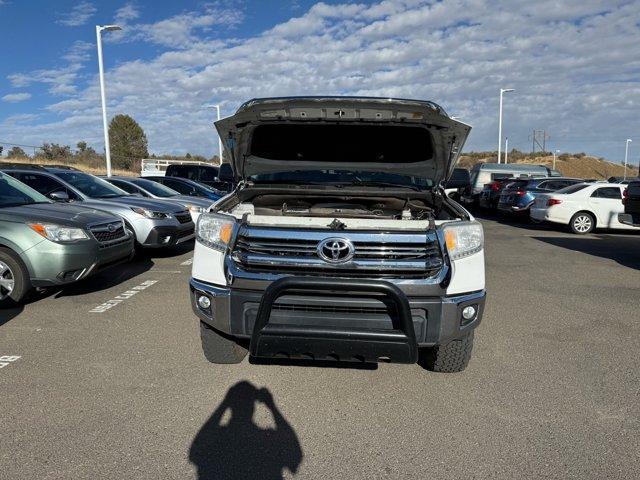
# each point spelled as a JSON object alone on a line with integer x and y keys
{"x": 463, "y": 239}
{"x": 148, "y": 213}
{"x": 59, "y": 233}
{"x": 196, "y": 209}
{"x": 215, "y": 230}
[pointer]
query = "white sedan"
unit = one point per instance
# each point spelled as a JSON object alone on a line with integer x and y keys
{"x": 583, "y": 207}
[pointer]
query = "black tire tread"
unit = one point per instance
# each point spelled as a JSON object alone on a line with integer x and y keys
{"x": 23, "y": 282}
{"x": 449, "y": 358}
{"x": 220, "y": 348}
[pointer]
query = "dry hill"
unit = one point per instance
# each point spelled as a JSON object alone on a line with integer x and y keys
{"x": 578, "y": 165}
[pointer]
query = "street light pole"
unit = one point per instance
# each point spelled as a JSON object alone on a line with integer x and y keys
{"x": 219, "y": 139}
{"x": 554, "y": 158}
{"x": 506, "y": 149}
{"x": 107, "y": 150}
{"x": 502, "y": 92}
{"x": 626, "y": 155}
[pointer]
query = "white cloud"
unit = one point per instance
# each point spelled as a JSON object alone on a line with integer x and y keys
{"x": 61, "y": 80}
{"x": 126, "y": 13}
{"x": 79, "y": 15}
{"x": 16, "y": 97}
{"x": 178, "y": 31}
{"x": 574, "y": 67}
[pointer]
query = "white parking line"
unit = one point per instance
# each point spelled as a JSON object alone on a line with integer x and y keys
{"x": 187, "y": 262}
{"x": 103, "y": 307}
{"x": 6, "y": 360}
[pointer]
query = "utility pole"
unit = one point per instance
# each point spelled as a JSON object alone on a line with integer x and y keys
{"x": 539, "y": 138}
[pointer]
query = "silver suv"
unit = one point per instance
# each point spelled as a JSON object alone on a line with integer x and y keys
{"x": 155, "y": 223}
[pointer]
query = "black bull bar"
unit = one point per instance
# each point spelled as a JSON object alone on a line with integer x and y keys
{"x": 397, "y": 345}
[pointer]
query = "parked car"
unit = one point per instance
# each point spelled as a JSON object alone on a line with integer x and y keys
{"x": 484, "y": 173}
{"x": 631, "y": 201}
{"x": 583, "y": 207}
{"x": 519, "y": 195}
{"x": 43, "y": 243}
{"x": 150, "y": 189}
{"x": 205, "y": 174}
{"x": 490, "y": 194}
{"x": 321, "y": 242}
{"x": 156, "y": 223}
{"x": 188, "y": 187}
{"x": 459, "y": 181}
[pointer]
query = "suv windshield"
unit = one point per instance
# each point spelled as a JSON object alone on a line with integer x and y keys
{"x": 155, "y": 188}
{"x": 14, "y": 193}
{"x": 91, "y": 186}
{"x": 342, "y": 177}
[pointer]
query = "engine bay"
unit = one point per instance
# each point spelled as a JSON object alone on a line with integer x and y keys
{"x": 411, "y": 207}
{"x": 344, "y": 207}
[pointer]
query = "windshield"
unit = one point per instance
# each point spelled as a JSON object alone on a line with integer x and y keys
{"x": 342, "y": 177}
{"x": 572, "y": 188}
{"x": 14, "y": 193}
{"x": 91, "y": 186}
{"x": 204, "y": 188}
{"x": 155, "y": 188}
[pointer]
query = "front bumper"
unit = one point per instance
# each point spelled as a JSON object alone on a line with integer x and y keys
{"x": 436, "y": 320}
{"x": 52, "y": 263}
{"x": 169, "y": 236}
{"x": 629, "y": 219}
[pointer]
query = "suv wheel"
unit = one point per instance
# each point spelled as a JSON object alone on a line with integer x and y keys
{"x": 220, "y": 348}
{"x": 14, "y": 278}
{"x": 450, "y": 358}
{"x": 582, "y": 223}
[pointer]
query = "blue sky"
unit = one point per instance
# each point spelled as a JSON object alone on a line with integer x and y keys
{"x": 575, "y": 65}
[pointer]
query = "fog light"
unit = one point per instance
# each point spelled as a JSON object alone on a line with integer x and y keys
{"x": 204, "y": 302}
{"x": 469, "y": 312}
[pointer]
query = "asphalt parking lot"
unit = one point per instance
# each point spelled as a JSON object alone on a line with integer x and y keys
{"x": 106, "y": 379}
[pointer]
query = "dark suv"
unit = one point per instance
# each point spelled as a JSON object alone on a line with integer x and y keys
{"x": 518, "y": 195}
{"x": 631, "y": 200}
{"x": 205, "y": 174}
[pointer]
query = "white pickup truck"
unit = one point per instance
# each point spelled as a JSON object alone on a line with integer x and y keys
{"x": 338, "y": 242}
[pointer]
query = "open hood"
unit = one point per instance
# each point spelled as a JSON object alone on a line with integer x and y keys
{"x": 406, "y": 137}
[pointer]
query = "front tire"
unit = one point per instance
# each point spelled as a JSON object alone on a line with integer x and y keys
{"x": 220, "y": 348}
{"x": 582, "y": 223}
{"x": 450, "y": 358}
{"x": 14, "y": 279}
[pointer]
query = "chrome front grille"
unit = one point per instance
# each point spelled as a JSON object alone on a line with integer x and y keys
{"x": 109, "y": 234}
{"x": 397, "y": 253}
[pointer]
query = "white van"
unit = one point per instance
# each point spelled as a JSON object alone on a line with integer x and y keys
{"x": 483, "y": 173}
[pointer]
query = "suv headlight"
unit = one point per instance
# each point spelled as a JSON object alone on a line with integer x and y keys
{"x": 149, "y": 213}
{"x": 463, "y": 239}
{"x": 59, "y": 233}
{"x": 215, "y": 231}
{"x": 196, "y": 209}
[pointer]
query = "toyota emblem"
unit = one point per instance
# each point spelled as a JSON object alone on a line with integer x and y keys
{"x": 335, "y": 250}
{"x": 112, "y": 227}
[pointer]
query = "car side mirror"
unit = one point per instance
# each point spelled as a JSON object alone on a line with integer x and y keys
{"x": 225, "y": 173}
{"x": 59, "y": 196}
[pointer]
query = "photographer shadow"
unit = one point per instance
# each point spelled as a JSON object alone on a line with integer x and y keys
{"x": 240, "y": 449}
